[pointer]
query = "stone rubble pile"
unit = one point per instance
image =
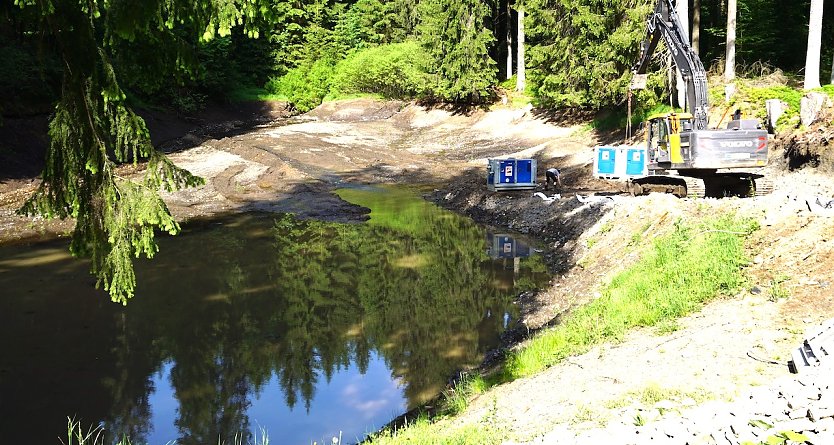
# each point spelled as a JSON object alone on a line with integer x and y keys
{"x": 794, "y": 405}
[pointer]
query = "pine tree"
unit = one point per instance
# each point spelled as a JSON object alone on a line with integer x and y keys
{"x": 303, "y": 31}
{"x": 92, "y": 131}
{"x": 581, "y": 51}
{"x": 455, "y": 36}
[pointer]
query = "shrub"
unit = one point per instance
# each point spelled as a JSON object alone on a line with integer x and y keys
{"x": 305, "y": 86}
{"x": 392, "y": 71}
{"x": 756, "y": 97}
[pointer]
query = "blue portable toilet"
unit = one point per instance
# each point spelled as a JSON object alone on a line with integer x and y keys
{"x": 636, "y": 162}
{"x": 511, "y": 174}
{"x": 605, "y": 162}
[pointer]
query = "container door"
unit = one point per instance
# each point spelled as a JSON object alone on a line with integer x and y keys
{"x": 507, "y": 173}
{"x": 521, "y": 250}
{"x": 635, "y": 162}
{"x": 605, "y": 160}
{"x": 506, "y": 246}
{"x": 524, "y": 175}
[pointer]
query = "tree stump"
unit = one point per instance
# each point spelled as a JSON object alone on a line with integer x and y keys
{"x": 810, "y": 107}
{"x": 775, "y": 109}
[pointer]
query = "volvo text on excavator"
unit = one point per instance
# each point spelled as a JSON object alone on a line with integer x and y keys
{"x": 684, "y": 156}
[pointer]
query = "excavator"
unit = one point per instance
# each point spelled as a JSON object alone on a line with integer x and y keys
{"x": 684, "y": 156}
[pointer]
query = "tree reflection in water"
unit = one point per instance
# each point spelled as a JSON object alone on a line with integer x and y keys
{"x": 234, "y": 307}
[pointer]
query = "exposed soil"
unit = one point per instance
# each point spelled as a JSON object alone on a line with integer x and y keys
{"x": 257, "y": 158}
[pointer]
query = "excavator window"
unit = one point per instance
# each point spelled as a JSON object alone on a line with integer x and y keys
{"x": 658, "y": 138}
{"x": 659, "y": 133}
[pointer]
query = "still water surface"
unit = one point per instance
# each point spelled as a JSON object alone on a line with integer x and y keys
{"x": 303, "y": 329}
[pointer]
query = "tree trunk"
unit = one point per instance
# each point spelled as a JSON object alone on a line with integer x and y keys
{"x": 811, "y": 105}
{"x": 730, "y": 61}
{"x": 696, "y": 26}
{"x": 521, "y": 82}
{"x": 812, "y": 57}
{"x": 509, "y": 42}
{"x": 775, "y": 109}
{"x": 683, "y": 15}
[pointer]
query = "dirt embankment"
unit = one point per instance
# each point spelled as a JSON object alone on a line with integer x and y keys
{"x": 260, "y": 160}
{"x": 735, "y": 343}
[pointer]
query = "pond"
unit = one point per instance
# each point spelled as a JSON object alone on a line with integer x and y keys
{"x": 305, "y": 330}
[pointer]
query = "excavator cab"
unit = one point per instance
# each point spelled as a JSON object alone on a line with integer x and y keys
{"x": 668, "y": 138}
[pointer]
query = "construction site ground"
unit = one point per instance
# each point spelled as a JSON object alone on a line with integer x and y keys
{"x": 256, "y": 158}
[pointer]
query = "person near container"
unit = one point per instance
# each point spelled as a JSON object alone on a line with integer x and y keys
{"x": 553, "y": 177}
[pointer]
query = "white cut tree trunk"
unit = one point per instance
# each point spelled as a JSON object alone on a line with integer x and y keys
{"x": 730, "y": 60}
{"x": 683, "y": 15}
{"x": 775, "y": 109}
{"x": 521, "y": 82}
{"x": 812, "y": 57}
{"x": 509, "y": 44}
{"x": 811, "y": 105}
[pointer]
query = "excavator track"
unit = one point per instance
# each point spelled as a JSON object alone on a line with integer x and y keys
{"x": 695, "y": 187}
{"x": 762, "y": 186}
{"x": 682, "y": 187}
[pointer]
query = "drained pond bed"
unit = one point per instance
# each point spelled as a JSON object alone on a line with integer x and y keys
{"x": 302, "y": 329}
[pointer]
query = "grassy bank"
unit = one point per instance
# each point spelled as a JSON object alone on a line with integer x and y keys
{"x": 676, "y": 275}
{"x": 424, "y": 432}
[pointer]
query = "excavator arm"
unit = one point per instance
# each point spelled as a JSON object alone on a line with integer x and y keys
{"x": 664, "y": 22}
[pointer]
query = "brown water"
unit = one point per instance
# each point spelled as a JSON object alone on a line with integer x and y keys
{"x": 303, "y": 329}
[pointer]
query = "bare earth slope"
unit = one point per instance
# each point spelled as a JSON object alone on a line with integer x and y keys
{"x": 718, "y": 353}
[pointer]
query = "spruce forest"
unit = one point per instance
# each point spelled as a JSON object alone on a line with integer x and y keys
{"x": 91, "y": 64}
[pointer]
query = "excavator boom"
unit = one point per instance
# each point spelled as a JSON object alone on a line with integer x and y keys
{"x": 664, "y": 22}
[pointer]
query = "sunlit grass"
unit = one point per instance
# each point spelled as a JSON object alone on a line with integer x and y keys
{"x": 78, "y": 435}
{"x": 415, "y": 261}
{"x": 96, "y": 435}
{"x": 424, "y": 432}
{"x": 456, "y": 400}
{"x": 512, "y": 98}
{"x": 678, "y": 274}
{"x": 332, "y": 97}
